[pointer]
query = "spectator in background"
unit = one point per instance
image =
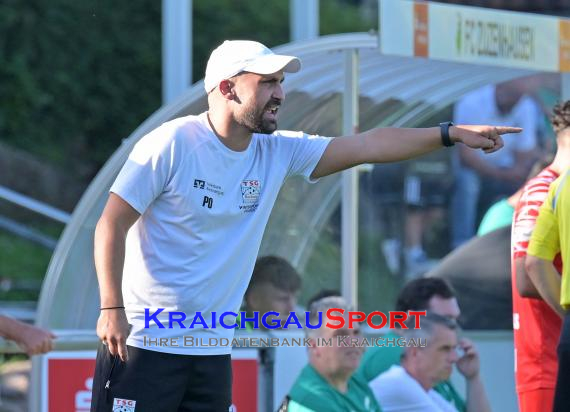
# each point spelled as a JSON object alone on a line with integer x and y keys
{"x": 408, "y": 387}
{"x": 550, "y": 237}
{"x": 437, "y": 296}
{"x": 501, "y": 213}
{"x": 327, "y": 383}
{"x": 422, "y": 188}
{"x": 321, "y": 294}
{"x": 31, "y": 339}
{"x": 502, "y": 172}
{"x": 536, "y": 325}
{"x": 386, "y": 182}
{"x": 273, "y": 287}
{"x": 426, "y": 189}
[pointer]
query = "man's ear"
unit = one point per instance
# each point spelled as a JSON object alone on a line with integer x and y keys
{"x": 412, "y": 352}
{"x": 249, "y": 299}
{"x": 313, "y": 346}
{"x": 227, "y": 89}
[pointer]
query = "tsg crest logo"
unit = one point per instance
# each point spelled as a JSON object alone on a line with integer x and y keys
{"x": 123, "y": 405}
{"x": 250, "y": 191}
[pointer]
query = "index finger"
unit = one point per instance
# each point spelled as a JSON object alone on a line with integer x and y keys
{"x": 123, "y": 354}
{"x": 508, "y": 129}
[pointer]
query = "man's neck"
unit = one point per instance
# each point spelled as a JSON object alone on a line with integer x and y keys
{"x": 513, "y": 200}
{"x": 338, "y": 380}
{"x": 425, "y": 382}
{"x": 233, "y": 135}
{"x": 561, "y": 161}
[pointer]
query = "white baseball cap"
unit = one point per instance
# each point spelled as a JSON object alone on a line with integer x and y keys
{"x": 236, "y": 56}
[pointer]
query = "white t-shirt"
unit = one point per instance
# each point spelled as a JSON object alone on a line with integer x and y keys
{"x": 203, "y": 211}
{"x": 397, "y": 391}
{"x": 480, "y": 107}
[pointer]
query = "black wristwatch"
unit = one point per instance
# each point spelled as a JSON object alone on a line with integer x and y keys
{"x": 445, "y": 139}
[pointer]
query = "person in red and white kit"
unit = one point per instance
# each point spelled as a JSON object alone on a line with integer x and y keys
{"x": 536, "y": 326}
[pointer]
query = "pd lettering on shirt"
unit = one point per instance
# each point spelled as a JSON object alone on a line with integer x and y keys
{"x": 208, "y": 202}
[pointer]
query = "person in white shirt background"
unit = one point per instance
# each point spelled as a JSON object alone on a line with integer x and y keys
{"x": 408, "y": 387}
{"x": 501, "y": 173}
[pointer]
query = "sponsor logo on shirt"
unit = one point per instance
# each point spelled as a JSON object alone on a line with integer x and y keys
{"x": 210, "y": 187}
{"x": 199, "y": 184}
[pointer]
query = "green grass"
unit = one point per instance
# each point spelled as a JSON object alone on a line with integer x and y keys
{"x": 21, "y": 260}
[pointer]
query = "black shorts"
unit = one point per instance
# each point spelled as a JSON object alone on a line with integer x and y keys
{"x": 562, "y": 394}
{"x": 153, "y": 381}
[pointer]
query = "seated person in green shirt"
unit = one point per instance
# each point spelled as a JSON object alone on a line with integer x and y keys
{"x": 437, "y": 296}
{"x": 273, "y": 287}
{"x": 500, "y": 214}
{"x": 408, "y": 387}
{"x": 327, "y": 383}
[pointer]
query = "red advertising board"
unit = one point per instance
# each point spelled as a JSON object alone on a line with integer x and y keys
{"x": 67, "y": 380}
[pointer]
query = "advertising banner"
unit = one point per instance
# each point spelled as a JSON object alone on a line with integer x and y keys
{"x": 68, "y": 379}
{"x": 474, "y": 35}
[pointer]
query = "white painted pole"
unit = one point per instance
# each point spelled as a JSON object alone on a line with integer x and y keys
{"x": 304, "y": 19}
{"x": 176, "y": 48}
{"x": 349, "y": 236}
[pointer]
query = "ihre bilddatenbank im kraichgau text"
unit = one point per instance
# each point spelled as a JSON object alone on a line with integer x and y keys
{"x": 335, "y": 319}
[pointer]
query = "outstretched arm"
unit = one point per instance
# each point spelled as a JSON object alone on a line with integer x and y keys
{"x": 110, "y": 235}
{"x": 393, "y": 144}
{"x": 31, "y": 339}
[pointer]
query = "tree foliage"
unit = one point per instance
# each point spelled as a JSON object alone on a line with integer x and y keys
{"x": 78, "y": 76}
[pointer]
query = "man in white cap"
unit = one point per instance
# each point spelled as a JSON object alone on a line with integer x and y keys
{"x": 181, "y": 230}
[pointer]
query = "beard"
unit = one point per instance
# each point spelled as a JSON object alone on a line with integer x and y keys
{"x": 253, "y": 119}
